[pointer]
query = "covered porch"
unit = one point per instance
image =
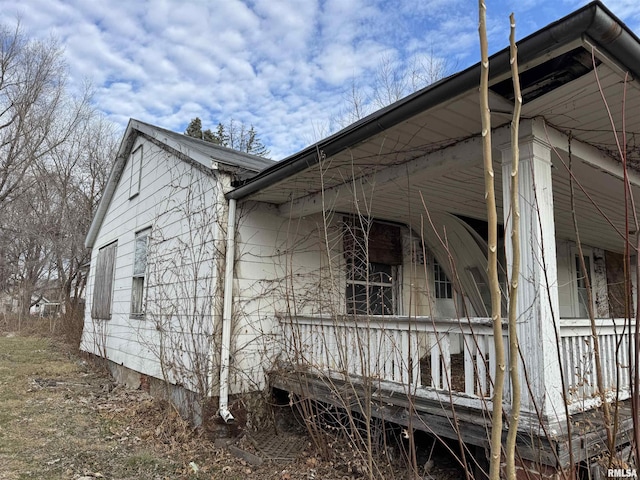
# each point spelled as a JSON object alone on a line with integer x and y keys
{"x": 408, "y": 323}
{"x": 423, "y": 325}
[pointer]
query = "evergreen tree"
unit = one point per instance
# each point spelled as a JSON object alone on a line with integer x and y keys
{"x": 194, "y": 129}
{"x": 230, "y": 135}
{"x": 209, "y": 136}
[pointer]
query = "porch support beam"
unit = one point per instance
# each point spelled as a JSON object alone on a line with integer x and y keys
{"x": 587, "y": 153}
{"x": 537, "y": 297}
{"x": 457, "y": 156}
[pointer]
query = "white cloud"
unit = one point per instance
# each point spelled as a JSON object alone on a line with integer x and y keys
{"x": 282, "y": 65}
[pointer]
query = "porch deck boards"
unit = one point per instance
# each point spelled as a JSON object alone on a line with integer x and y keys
{"x": 442, "y": 418}
{"x": 589, "y": 437}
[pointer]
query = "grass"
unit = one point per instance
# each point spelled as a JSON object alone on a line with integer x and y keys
{"x": 62, "y": 419}
{"x": 49, "y": 426}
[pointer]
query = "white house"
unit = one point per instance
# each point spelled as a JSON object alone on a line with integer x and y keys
{"x": 363, "y": 257}
{"x": 157, "y": 240}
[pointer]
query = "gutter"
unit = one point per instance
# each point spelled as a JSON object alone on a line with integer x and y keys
{"x": 227, "y": 312}
{"x": 593, "y": 21}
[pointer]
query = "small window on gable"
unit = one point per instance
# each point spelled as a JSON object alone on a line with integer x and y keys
{"x": 136, "y": 172}
{"x": 103, "y": 282}
{"x": 140, "y": 254}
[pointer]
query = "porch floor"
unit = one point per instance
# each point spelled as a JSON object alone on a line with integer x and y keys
{"x": 442, "y": 418}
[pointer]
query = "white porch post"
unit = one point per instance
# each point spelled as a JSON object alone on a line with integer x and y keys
{"x": 538, "y": 309}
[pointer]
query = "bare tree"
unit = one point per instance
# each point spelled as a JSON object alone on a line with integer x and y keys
{"x": 25, "y": 224}
{"x": 391, "y": 81}
{"x": 514, "y": 353}
{"x": 54, "y": 154}
{"x": 492, "y": 254}
{"x": 77, "y": 170}
{"x": 36, "y": 115}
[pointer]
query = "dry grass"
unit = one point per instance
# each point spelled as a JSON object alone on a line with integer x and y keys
{"x": 61, "y": 418}
{"x": 65, "y": 328}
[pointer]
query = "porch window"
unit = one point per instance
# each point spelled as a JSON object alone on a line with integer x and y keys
{"x": 103, "y": 283}
{"x": 373, "y": 254}
{"x": 442, "y": 284}
{"x": 141, "y": 247}
{"x": 581, "y": 283}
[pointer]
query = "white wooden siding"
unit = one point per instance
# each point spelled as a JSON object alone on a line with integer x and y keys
{"x": 282, "y": 266}
{"x": 164, "y": 182}
{"x": 567, "y": 288}
{"x": 277, "y": 267}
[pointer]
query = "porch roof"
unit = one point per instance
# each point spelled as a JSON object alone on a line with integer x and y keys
{"x": 427, "y": 143}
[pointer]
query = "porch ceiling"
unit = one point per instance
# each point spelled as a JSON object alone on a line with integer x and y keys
{"x": 369, "y": 175}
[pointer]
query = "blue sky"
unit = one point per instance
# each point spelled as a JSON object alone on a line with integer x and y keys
{"x": 285, "y": 66}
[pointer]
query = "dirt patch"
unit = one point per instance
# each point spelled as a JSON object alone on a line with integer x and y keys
{"x": 62, "y": 418}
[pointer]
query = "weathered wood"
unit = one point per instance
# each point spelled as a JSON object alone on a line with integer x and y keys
{"x": 436, "y": 417}
{"x": 614, "y": 263}
{"x": 391, "y": 349}
{"x": 538, "y": 309}
{"x": 578, "y": 360}
{"x": 589, "y": 438}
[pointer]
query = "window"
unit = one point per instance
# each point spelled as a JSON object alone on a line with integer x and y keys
{"x": 581, "y": 283}
{"x": 136, "y": 172}
{"x": 442, "y": 284}
{"x": 373, "y": 253}
{"x": 103, "y": 283}
{"x": 141, "y": 250}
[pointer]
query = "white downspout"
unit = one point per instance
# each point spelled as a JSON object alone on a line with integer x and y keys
{"x": 227, "y": 311}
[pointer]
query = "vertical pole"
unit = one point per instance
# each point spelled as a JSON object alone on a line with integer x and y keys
{"x": 537, "y": 307}
{"x": 227, "y": 310}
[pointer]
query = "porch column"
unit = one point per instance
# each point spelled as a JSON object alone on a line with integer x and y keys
{"x": 538, "y": 308}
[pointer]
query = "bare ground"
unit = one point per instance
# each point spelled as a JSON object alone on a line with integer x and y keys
{"x": 61, "y": 418}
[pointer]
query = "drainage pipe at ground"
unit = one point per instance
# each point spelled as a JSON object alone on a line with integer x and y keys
{"x": 227, "y": 312}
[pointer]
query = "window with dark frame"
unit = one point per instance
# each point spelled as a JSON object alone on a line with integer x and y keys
{"x": 141, "y": 250}
{"x": 103, "y": 282}
{"x": 442, "y": 284}
{"x": 373, "y": 254}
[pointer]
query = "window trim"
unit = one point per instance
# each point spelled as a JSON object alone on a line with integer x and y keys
{"x": 95, "y": 313}
{"x": 441, "y": 280}
{"x": 575, "y": 255}
{"x": 396, "y": 269}
{"x": 139, "y": 277}
{"x": 136, "y": 172}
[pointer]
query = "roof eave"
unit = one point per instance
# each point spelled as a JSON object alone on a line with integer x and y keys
{"x": 594, "y": 21}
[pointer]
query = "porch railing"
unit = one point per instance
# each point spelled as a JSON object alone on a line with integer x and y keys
{"x": 578, "y": 360}
{"x": 448, "y": 355}
{"x": 451, "y": 355}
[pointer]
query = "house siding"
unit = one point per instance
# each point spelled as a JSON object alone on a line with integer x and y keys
{"x": 283, "y": 269}
{"x": 279, "y": 269}
{"x": 166, "y": 194}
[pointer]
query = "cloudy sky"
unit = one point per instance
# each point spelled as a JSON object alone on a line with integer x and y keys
{"x": 285, "y": 66}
